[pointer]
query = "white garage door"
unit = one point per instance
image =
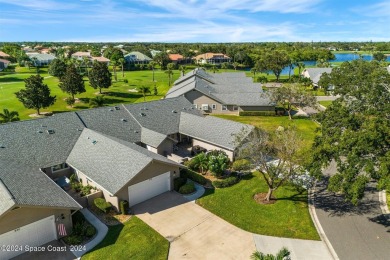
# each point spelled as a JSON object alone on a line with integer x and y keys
{"x": 148, "y": 189}
{"x": 34, "y": 234}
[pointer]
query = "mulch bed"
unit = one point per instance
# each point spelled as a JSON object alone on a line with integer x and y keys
{"x": 260, "y": 198}
{"x": 111, "y": 218}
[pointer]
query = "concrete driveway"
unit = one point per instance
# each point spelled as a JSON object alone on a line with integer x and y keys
{"x": 194, "y": 232}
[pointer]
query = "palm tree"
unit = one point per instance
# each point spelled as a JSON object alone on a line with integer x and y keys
{"x": 283, "y": 254}
{"x": 201, "y": 162}
{"x": 122, "y": 62}
{"x": 169, "y": 71}
{"x": 254, "y": 71}
{"x": 182, "y": 69}
{"x": 301, "y": 65}
{"x": 214, "y": 68}
{"x": 9, "y": 116}
{"x": 87, "y": 63}
{"x": 96, "y": 102}
{"x": 152, "y": 65}
{"x": 34, "y": 61}
{"x": 235, "y": 65}
{"x": 144, "y": 90}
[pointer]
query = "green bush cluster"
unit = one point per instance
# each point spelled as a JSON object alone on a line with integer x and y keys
{"x": 241, "y": 165}
{"x": 124, "y": 206}
{"x": 178, "y": 182}
{"x": 81, "y": 230}
{"x": 257, "y": 113}
{"x": 187, "y": 188}
{"x": 230, "y": 181}
{"x": 102, "y": 204}
{"x": 86, "y": 190}
{"x": 187, "y": 173}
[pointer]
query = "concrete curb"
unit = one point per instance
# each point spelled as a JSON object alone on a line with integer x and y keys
{"x": 101, "y": 230}
{"x": 383, "y": 204}
{"x": 317, "y": 223}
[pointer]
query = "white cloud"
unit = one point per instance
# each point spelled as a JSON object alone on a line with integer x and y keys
{"x": 40, "y": 4}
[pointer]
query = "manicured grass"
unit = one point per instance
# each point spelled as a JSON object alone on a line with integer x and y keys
{"x": 388, "y": 199}
{"x": 270, "y": 123}
{"x": 288, "y": 217}
{"x": 325, "y": 103}
{"x": 119, "y": 92}
{"x": 133, "y": 240}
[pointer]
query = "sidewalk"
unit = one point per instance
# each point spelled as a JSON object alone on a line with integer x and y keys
{"x": 101, "y": 231}
{"x": 194, "y": 196}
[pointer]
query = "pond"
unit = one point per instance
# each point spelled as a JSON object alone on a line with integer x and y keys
{"x": 340, "y": 57}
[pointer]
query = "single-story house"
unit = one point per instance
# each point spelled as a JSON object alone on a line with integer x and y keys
{"x": 136, "y": 57}
{"x": 314, "y": 74}
{"x": 221, "y": 93}
{"x": 179, "y": 59}
{"x": 212, "y": 58}
{"x": 101, "y": 59}
{"x": 125, "y": 151}
{"x": 4, "y": 64}
{"x": 42, "y": 59}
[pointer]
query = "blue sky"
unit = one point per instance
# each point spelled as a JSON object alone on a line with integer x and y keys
{"x": 194, "y": 20}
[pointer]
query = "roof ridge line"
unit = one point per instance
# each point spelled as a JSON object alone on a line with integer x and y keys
{"x": 132, "y": 115}
{"x": 81, "y": 119}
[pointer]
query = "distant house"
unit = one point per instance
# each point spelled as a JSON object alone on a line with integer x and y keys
{"x": 212, "y": 58}
{"x": 136, "y": 57}
{"x": 179, "y": 59}
{"x": 42, "y": 59}
{"x": 4, "y": 64}
{"x": 79, "y": 55}
{"x": 314, "y": 74}
{"x": 101, "y": 59}
{"x": 154, "y": 52}
{"x": 4, "y": 55}
{"x": 221, "y": 93}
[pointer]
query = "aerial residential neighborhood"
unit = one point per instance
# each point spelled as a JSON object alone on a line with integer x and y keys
{"x": 191, "y": 130}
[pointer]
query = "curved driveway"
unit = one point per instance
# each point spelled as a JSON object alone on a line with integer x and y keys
{"x": 360, "y": 232}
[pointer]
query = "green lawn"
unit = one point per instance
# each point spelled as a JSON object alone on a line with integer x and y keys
{"x": 118, "y": 93}
{"x": 270, "y": 123}
{"x": 325, "y": 103}
{"x": 288, "y": 217}
{"x": 388, "y": 199}
{"x": 133, "y": 240}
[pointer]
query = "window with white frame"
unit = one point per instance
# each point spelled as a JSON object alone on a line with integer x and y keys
{"x": 214, "y": 106}
{"x": 205, "y": 107}
{"x": 224, "y": 107}
{"x": 59, "y": 167}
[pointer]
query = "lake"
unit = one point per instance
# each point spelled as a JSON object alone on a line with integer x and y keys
{"x": 340, "y": 57}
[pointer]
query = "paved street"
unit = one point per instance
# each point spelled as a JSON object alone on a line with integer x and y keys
{"x": 360, "y": 232}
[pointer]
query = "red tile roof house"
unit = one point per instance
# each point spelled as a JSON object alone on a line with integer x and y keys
{"x": 179, "y": 59}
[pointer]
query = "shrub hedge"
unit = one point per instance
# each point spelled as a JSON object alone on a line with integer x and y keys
{"x": 178, "y": 182}
{"x": 187, "y": 188}
{"x": 124, "y": 206}
{"x": 230, "y": 181}
{"x": 102, "y": 204}
{"x": 187, "y": 173}
{"x": 257, "y": 113}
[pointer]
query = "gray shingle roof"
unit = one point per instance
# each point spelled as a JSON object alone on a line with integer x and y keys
{"x": 151, "y": 137}
{"x": 29, "y": 186}
{"x": 137, "y": 56}
{"x": 108, "y": 161}
{"x": 31, "y": 144}
{"x": 227, "y": 88}
{"x": 41, "y": 56}
{"x": 316, "y": 73}
{"x": 114, "y": 121}
{"x": 161, "y": 116}
{"x": 211, "y": 129}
